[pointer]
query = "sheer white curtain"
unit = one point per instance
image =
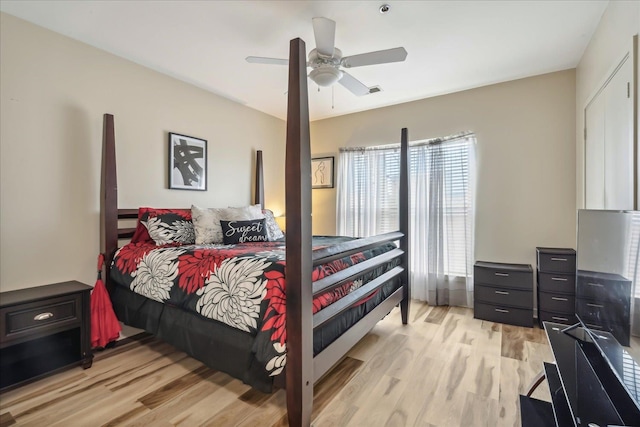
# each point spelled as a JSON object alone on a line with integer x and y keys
{"x": 442, "y": 210}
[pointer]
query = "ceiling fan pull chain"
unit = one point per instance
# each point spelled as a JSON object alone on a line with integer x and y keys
{"x": 332, "y": 96}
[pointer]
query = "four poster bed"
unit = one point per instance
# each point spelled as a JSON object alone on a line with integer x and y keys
{"x": 336, "y": 288}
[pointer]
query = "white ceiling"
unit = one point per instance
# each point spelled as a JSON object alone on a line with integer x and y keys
{"x": 452, "y": 45}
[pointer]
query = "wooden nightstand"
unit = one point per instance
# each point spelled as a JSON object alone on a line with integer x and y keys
{"x": 44, "y": 330}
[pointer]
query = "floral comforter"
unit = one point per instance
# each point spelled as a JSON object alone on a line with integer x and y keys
{"x": 240, "y": 285}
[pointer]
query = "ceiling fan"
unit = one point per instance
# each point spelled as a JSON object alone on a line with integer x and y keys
{"x": 327, "y": 63}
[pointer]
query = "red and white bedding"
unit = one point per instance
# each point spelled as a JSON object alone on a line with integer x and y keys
{"x": 241, "y": 285}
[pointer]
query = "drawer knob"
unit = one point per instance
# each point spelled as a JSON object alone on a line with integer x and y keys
{"x": 500, "y": 310}
{"x": 502, "y": 274}
{"x": 502, "y": 292}
{"x": 559, "y": 259}
{"x": 599, "y": 285}
{"x": 559, "y": 279}
{"x": 562, "y": 319}
{"x": 43, "y": 316}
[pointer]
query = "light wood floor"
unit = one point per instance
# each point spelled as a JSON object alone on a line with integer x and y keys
{"x": 443, "y": 369}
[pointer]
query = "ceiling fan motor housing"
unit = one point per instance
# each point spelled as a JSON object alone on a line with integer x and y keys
{"x": 325, "y": 71}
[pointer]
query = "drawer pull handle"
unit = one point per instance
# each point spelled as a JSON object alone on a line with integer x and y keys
{"x": 500, "y": 310}
{"x": 502, "y": 274}
{"x": 43, "y": 316}
{"x": 502, "y": 292}
{"x": 600, "y": 285}
{"x": 559, "y": 259}
{"x": 564, "y": 319}
{"x": 559, "y": 279}
{"x": 559, "y": 299}
{"x": 595, "y": 305}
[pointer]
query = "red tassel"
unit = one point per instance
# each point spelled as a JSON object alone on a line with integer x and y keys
{"x": 105, "y": 327}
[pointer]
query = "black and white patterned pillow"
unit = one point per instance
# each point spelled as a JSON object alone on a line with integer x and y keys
{"x": 170, "y": 227}
{"x": 274, "y": 232}
{"x": 244, "y": 231}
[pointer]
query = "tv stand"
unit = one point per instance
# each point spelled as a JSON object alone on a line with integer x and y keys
{"x": 594, "y": 382}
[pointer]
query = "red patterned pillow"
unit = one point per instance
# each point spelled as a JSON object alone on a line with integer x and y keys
{"x": 164, "y": 226}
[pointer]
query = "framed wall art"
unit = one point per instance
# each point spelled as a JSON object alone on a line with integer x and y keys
{"x": 187, "y": 162}
{"x": 322, "y": 172}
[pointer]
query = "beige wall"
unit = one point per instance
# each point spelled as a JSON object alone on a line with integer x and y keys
{"x": 526, "y": 158}
{"x": 611, "y": 41}
{"x": 54, "y": 92}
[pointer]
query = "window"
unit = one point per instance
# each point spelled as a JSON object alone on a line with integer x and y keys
{"x": 442, "y": 194}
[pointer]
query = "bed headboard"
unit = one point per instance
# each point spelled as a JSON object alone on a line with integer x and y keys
{"x": 110, "y": 214}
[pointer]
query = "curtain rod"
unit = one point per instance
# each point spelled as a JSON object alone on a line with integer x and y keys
{"x": 431, "y": 141}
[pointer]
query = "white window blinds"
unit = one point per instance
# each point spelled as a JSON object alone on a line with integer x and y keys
{"x": 442, "y": 194}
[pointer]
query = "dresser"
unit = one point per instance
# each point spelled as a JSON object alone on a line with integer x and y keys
{"x": 503, "y": 293}
{"x": 43, "y": 330}
{"x": 556, "y": 278}
{"x": 603, "y": 301}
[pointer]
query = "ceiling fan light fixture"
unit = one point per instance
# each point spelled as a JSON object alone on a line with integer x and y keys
{"x": 325, "y": 76}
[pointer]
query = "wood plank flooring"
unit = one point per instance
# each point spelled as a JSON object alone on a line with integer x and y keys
{"x": 443, "y": 369}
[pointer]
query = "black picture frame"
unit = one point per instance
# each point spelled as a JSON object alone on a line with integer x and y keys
{"x": 322, "y": 172}
{"x": 187, "y": 162}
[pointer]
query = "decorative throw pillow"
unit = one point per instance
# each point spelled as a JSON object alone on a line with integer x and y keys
{"x": 141, "y": 234}
{"x": 274, "y": 232}
{"x": 206, "y": 221}
{"x": 167, "y": 226}
{"x": 244, "y": 231}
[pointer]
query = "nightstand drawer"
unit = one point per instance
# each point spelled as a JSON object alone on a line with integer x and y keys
{"x": 37, "y": 315}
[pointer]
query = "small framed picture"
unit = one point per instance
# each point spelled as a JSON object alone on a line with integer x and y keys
{"x": 322, "y": 172}
{"x": 187, "y": 162}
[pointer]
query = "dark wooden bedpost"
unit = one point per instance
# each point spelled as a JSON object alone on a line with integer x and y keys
{"x": 259, "y": 189}
{"x": 299, "y": 368}
{"x": 404, "y": 222}
{"x": 109, "y": 196}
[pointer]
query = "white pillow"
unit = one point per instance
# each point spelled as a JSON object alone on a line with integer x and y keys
{"x": 242, "y": 214}
{"x": 206, "y": 224}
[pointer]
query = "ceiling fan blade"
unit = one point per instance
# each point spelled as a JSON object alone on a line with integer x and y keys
{"x": 325, "y": 31}
{"x": 397, "y": 54}
{"x": 354, "y": 85}
{"x": 263, "y": 60}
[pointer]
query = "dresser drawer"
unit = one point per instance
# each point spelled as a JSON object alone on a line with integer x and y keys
{"x": 557, "y": 260}
{"x": 502, "y": 296}
{"x": 602, "y": 312}
{"x": 503, "y": 314}
{"x": 603, "y": 287}
{"x": 504, "y": 275}
{"x": 37, "y": 317}
{"x": 557, "y": 283}
{"x": 559, "y": 303}
{"x": 564, "y": 318}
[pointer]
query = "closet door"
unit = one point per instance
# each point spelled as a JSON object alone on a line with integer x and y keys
{"x": 609, "y": 146}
